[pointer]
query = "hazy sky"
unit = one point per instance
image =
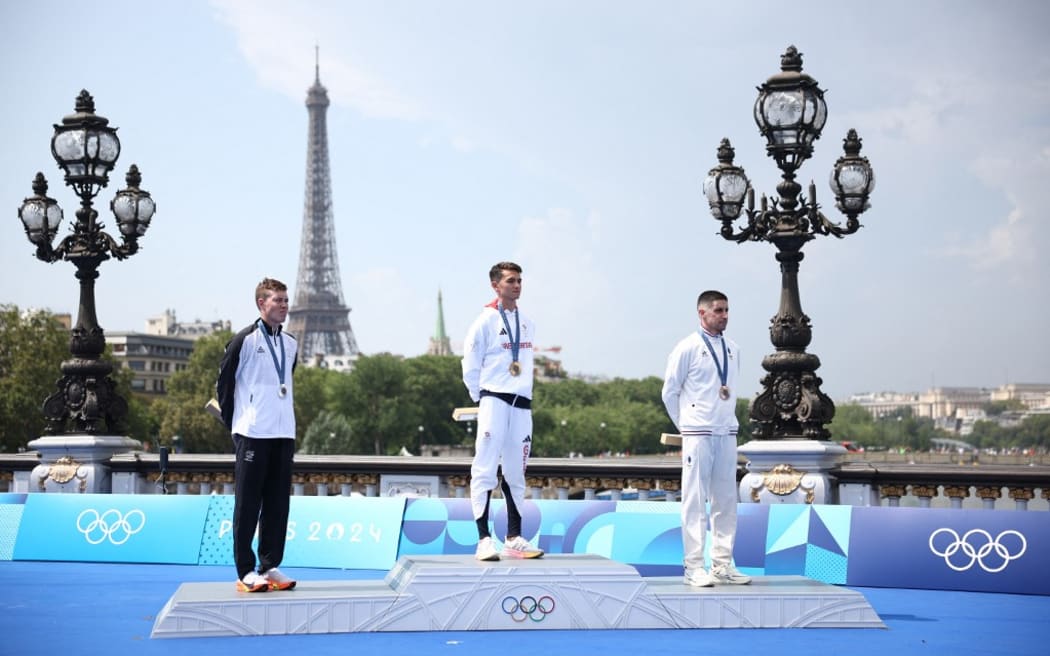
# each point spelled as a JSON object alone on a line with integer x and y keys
{"x": 573, "y": 138}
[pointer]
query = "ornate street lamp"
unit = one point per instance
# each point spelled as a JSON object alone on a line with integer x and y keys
{"x": 86, "y": 148}
{"x": 790, "y": 113}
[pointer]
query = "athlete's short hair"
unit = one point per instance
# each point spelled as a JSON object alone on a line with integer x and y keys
{"x": 709, "y": 297}
{"x": 268, "y": 286}
{"x": 496, "y": 272}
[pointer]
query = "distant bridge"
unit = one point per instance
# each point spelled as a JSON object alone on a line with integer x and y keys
{"x": 948, "y": 443}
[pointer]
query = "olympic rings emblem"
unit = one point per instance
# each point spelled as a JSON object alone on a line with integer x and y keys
{"x": 111, "y": 525}
{"x": 528, "y": 607}
{"x": 980, "y": 549}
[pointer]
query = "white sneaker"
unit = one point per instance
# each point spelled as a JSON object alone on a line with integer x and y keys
{"x": 278, "y": 579}
{"x": 253, "y": 582}
{"x": 727, "y": 574}
{"x": 519, "y": 547}
{"x": 486, "y": 550}
{"x": 699, "y": 578}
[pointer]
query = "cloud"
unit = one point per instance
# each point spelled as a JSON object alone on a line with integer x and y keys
{"x": 284, "y": 63}
{"x": 560, "y": 252}
{"x": 1013, "y": 242}
{"x": 963, "y": 152}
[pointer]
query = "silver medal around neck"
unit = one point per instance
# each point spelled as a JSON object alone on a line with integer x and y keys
{"x": 515, "y": 368}
{"x": 723, "y": 393}
{"x": 283, "y": 392}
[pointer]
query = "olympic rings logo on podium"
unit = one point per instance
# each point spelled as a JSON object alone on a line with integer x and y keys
{"x": 980, "y": 550}
{"x": 111, "y": 525}
{"x": 528, "y": 607}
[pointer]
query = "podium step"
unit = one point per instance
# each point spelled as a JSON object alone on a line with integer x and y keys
{"x": 559, "y": 591}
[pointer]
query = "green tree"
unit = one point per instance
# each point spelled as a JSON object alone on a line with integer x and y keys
{"x": 996, "y": 408}
{"x": 314, "y": 388}
{"x": 642, "y": 390}
{"x": 645, "y": 422}
{"x": 181, "y": 411}
{"x": 565, "y": 392}
{"x": 743, "y": 417}
{"x": 373, "y": 397}
{"x": 329, "y": 433}
{"x": 853, "y": 423}
{"x": 434, "y": 385}
{"x": 1034, "y": 431}
{"x": 32, "y": 348}
{"x": 142, "y": 422}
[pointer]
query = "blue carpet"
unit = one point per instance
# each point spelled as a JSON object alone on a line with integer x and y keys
{"x": 92, "y": 608}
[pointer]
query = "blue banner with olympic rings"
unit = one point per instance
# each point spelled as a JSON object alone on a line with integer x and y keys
{"x": 950, "y": 549}
{"x": 111, "y": 528}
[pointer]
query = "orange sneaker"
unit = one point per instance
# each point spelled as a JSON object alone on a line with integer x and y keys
{"x": 278, "y": 580}
{"x": 253, "y": 582}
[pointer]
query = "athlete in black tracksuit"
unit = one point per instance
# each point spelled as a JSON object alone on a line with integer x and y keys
{"x": 254, "y": 390}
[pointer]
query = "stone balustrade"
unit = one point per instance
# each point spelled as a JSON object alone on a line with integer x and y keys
{"x": 923, "y": 485}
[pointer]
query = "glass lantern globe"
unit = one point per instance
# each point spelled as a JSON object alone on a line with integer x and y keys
{"x": 133, "y": 207}
{"x": 726, "y": 185}
{"x": 852, "y": 178}
{"x": 41, "y": 216}
{"x": 790, "y": 112}
{"x": 85, "y": 147}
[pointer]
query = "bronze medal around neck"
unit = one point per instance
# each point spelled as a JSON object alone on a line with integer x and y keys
{"x": 515, "y": 368}
{"x": 723, "y": 393}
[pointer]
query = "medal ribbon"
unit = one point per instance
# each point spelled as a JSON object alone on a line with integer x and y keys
{"x": 273, "y": 353}
{"x": 723, "y": 372}
{"x": 515, "y": 338}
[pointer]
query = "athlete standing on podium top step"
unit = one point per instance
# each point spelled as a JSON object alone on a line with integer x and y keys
{"x": 255, "y": 394}
{"x": 497, "y": 370}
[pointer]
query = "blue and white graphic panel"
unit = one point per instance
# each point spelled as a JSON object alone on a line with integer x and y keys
{"x": 950, "y": 549}
{"x": 339, "y": 532}
{"x": 11, "y": 507}
{"x": 115, "y": 528}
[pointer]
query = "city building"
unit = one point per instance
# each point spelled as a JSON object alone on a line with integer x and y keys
{"x": 164, "y": 349}
{"x": 1034, "y": 396}
{"x": 167, "y": 325}
{"x": 958, "y": 408}
{"x": 152, "y": 358}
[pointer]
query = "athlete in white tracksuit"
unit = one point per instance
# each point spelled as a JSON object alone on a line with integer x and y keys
{"x": 255, "y": 393}
{"x": 701, "y": 401}
{"x": 504, "y": 398}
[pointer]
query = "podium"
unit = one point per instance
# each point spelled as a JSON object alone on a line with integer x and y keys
{"x": 559, "y": 591}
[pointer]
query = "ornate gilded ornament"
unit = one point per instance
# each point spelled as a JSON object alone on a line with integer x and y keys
{"x": 782, "y": 479}
{"x": 63, "y": 471}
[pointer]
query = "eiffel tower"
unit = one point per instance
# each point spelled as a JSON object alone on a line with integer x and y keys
{"x": 319, "y": 318}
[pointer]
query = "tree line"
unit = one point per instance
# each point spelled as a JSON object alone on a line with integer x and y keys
{"x": 389, "y": 402}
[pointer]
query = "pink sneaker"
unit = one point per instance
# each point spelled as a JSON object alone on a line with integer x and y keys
{"x": 519, "y": 547}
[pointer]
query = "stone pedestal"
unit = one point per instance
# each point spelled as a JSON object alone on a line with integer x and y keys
{"x": 77, "y": 464}
{"x": 556, "y": 592}
{"x": 789, "y": 471}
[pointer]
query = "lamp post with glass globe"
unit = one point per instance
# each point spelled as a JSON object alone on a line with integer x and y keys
{"x": 86, "y": 404}
{"x": 86, "y": 148}
{"x": 790, "y": 112}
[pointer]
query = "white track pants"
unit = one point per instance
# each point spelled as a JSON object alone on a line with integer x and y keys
{"x": 504, "y": 438}
{"x": 708, "y": 473}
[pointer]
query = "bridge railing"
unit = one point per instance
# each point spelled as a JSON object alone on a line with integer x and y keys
{"x": 860, "y": 482}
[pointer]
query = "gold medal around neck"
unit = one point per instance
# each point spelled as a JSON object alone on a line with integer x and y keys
{"x": 723, "y": 393}
{"x": 283, "y": 392}
{"x": 515, "y": 368}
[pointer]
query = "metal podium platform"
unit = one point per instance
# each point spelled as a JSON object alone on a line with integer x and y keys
{"x": 458, "y": 593}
